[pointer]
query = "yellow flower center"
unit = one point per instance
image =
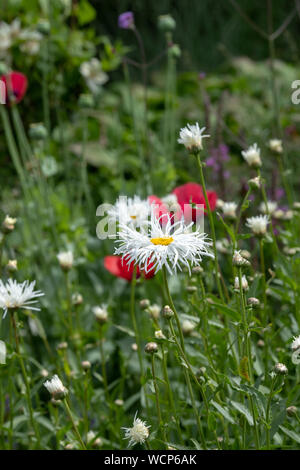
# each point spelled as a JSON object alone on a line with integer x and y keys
{"x": 133, "y": 217}
{"x": 162, "y": 241}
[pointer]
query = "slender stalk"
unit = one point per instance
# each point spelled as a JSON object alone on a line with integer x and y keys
{"x": 268, "y": 441}
{"x": 14, "y": 320}
{"x": 157, "y": 400}
{"x": 104, "y": 375}
{"x": 212, "y": 226}
{"x": 265, "y": 199}
{"x": 74, "y": 425}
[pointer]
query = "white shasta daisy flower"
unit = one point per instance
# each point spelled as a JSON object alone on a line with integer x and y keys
{"x": 94, "y": 75}
{"x": 14, "y": 295}
{"x": 191, "y": 136}
{"x": 56, "y": 388}
{"x": 229, "y": 209}
{"x": 271, "y": 205}
{"x": 5, "y": 38}
{"x": 100, "y": 313}
{"x": 138, "y": 433}
{"x": 258, "y": 224}
{"x": 31, "y": 42}
{"x": 170, "y": 246}
{"x": 130, "y": 211}
{"x": 296, "y": 343}
{"x": 252, "y": 156}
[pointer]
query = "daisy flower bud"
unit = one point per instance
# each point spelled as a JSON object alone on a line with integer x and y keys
{"x": 159, "y": 335}
{"x": 151, "y": 348}
{"x": 191, "y": 137}
{"x": 56, "y": 388}
{"x": 168, "y": 312}
{"x": 154, "y": 311}
{"x": 66, "y": 260}
{"x": 91, "y": 439}
{"x": 253, "y": 301}
{"x": 291, "y": 410}
{"x": 280, "y": 369}
{"x": 188, "y": 327}
{"x": 197, "y": 270}
{"x": 86, "y": 365}
{"x": 138, "y": 433}
{"x": 12, "y": 265}
{"x": 239, "y": 260}
{"x": 134, "y": 347}
{"x": 252, "y": 156}
{"x": 245, "y": 285}
{"x": 77, "y": 299}
{"x": 62, "y": 346}
{"x": 275, "y": 145}
{"x": 296, "y": 206}
{"x": 246, "y": 254}
{"x": 144, "y": 304}
{"x": 261, "y": 343}
{"x": 255, "y": 183}
{"x": 166, "y": 23}
{"x": 100, "y": 313}
{"x": 119, "y": 402}
{"x": 8, "y": 224}
{"x": 38, "y": 131}
{"x": 258, "y": 224}
{"x": 191, "y": 289}
{"x": 229, "y": 209}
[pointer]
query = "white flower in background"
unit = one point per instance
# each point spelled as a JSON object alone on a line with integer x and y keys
{"x": 12, "y": 265}
{"x": 229, "y": 209}
{"x": 258, "y": 224}
{"x": 100, "y": 313}
{"x": 252, "y": 156}
{"x": 159, "y": 334}
{"x": 138, "y": 433}
{"x": 130, "y": 211}
{"x": 154, "y": 311}
{"x": 296, "y": 343}
{"x": 15, "y": 29}
{"x": 239, "y": 260}
{"x": 219, "y": 203}
{"x": 276, "y": 145}
{"x": 245, "y": 285}
{"x": 171, "y": 202}
{"x": 66, "y": 259}
{"x": 271, "y": 205}
{"x": 31, "y": 42}
{"x": 14, "y": 295}
{"x": 255, "y": 183}
{"x": 191, "y": 136}
{"x": 56, "y": 388}
{"x": 223, "y": 246}
{"x": 188, "y": 327}
{"x": 94, "y": 75}
{"x": 5, "y": 38}
{"x": 9, "y": 223}
{"x": 170, "y": 246}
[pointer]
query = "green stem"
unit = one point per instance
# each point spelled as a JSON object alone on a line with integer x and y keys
{"x": 212, "y": 227}
{"x": 268, "y": 442}
{"x": 74, "y": 425}
{"x": 157, "y": 400}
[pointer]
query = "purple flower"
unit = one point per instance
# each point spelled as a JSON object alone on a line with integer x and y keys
{"x": 126, "y": 20}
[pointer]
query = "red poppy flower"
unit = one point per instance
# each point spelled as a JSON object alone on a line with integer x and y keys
{"x": 192, "y": 193}
{"x": 15, "y": 86}
{"x": 119, "y": 268}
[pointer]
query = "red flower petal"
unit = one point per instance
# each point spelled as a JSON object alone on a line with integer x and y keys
{"x": 16, "y": 86}
{"x": 160, "y": 208}
{"x": 192, "y": 193}
{"x": 115, "y": 266}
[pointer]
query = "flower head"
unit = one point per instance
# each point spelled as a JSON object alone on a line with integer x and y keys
{"x": 130, "y": 211}
{"x": 258, "y": 224}
{"x": 66, "y": 260}
{"x": 31, "y": 42}
{"x": 126, "y": 20}
{"x": 191, "y": 137}
{"x": 138, "y": 433}
{"x": 245, "y": 285}
{"x": 252, "y": 156}
{"x": 296, "y": 343}
{"x": 276, "y": 145}
{"x": 171, "y": 246}
{"x": 56, "y": 388}
{"x": 100, "y": 313}
{"x": 9, "y": 224}
{"x": 229, "y": 209}
{"x": 280, "y": 369}
{"x": 94, "y": 75}
{"x": 14, "y": 295}
{"x": 239, "y": 260}
{"x": 270, "y": 208}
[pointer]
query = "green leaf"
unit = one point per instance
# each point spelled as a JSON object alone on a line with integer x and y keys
{"x": 223, "y": 411}
{"x": 244, "y": 410}
{"x": 293, "y": 435}
{"x": 2, "y": 352}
